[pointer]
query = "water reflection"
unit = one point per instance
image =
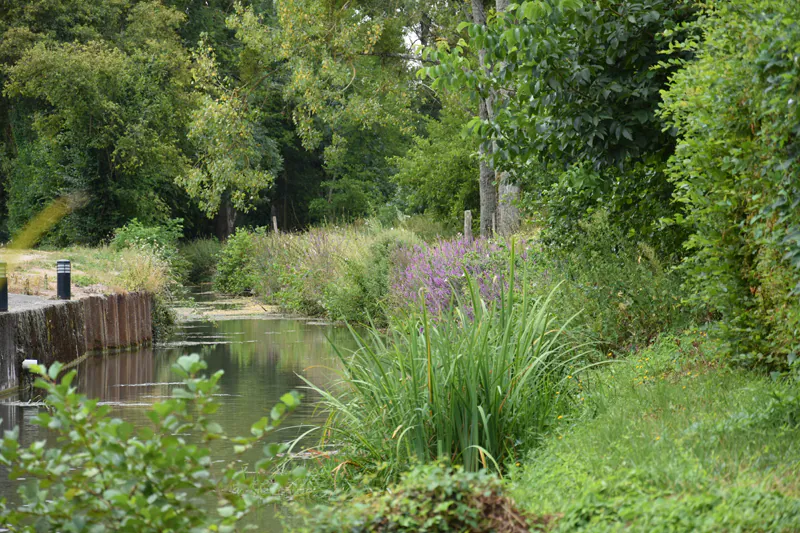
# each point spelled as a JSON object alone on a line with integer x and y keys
{"x": 262, "y": 360}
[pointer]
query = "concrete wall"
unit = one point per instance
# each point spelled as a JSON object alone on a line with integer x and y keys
{"x": 64, "y": 331}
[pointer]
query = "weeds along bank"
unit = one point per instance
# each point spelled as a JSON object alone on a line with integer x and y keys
{"x": 489, "y": 402}
{"x": 620, "y": 291}
{"x": 582, "y": 376}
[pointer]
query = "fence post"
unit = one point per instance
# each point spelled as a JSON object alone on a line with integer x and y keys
{"x": 468, "y": 225}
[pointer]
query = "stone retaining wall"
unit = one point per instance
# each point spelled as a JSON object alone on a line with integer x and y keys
{"x": 65, "y": 331}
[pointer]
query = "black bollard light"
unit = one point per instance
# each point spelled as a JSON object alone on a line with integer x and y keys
{"x": 63, "y": 283}
{"x": 3, "y": 287}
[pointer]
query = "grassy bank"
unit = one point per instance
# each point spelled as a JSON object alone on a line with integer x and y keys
{"x": 671, "y": 439}
{"x": 94, "y": 270}
{"x": 668, "y": 438}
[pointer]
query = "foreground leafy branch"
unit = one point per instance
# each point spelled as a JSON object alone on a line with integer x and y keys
{"x": 106, "y": 475}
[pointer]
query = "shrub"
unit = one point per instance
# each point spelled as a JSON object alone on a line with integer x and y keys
{"x": 144, "y": 268}
{"x": 107, "y": 475}
{"x": 135, "y": 233}
{"x": 428, "y": 228}
{"x": 295, "y": 269}
{"x": 236, "y": 273}
{"x": 624, "y": 295}
{"x": 202, "y": 256}
{"x": 428, "y": 498}
{"x": 737, "y": 173}
{"x": 473, "y": 388}
{"x": 162, "y": 240}
{"x": 362, "y": 294}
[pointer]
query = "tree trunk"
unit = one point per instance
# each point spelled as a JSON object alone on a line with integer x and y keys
{"x": 508, "y": 192}
{"x": 226, "y": 219}
{"x": 488, "y": 193}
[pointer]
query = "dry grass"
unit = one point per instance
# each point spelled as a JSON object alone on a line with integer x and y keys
{"x": 94, "y": 270}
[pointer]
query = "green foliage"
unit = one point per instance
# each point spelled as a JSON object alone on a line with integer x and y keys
{"x": 578, "y": 93}
{"x": 134, "y": 233}
{"x": 429, "y": 498}
{"x": 578, "y": 89}
{"x": 342, "y": 273}
{"x": 99, "y": 119}
{"x": 106, "y": 475}
{"x": 428, "y": 228}
{"x": 150, "y": 262}
{"x": 235, "y": 271}
{"x": 362, "y": 296}
{"x": 668, "y": 441}
{"x": 736, "y": 172}
{"x": 202, "y": 256}
{"x": 151, "y": 268}
{"x": 438, "y": 174}
{"x": 635, "y": 200}
{"x": 623, "y": 295}
{"x": 235, "y": 160}
{"x": 475, "y": 387}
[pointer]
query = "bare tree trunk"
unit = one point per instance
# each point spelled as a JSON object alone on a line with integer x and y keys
{"x": 508, "y": 192}
{"x": 488, "y": 193}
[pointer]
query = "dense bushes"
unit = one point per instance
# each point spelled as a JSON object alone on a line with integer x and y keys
{"x": 202, "y": 256}
{"x": 235, "y": 270}
{"x": 343, "y": 273}
{"x": 432, "y": 498}
{"x": 623, "y": 293}
{"x": 363, "y": 293}
{"x": 737, "y": 172}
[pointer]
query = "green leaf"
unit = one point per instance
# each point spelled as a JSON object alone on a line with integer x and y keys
{"x": 278, "y": 411}
{"x": 226, "y": 511}
{"x": 54, "y": 370}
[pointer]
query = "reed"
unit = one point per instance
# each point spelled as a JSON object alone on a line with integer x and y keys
{"x": 475, "y": 385}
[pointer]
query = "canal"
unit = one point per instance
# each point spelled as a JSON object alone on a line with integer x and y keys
{"x": 262, "y": 358}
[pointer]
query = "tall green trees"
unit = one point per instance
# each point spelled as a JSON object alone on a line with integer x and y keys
{"x": 572, "y": 83}
{"x": 99, "y": 115}
{"x": 349, "y": 83}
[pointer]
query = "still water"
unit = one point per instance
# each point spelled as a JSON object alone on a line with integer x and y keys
{"x": 262, "y": 359}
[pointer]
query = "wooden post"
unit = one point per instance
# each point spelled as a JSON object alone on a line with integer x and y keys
{"x": 494, "y": 223}
{"x": 468, "y": 225}
{"x": 275, "y": 224}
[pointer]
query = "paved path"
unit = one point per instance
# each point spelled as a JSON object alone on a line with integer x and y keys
{"x": 21, "y": 302}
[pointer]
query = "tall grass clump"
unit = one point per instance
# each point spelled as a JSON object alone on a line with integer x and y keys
{"x": 144, "y": 267}
{"x": 201, "y": 255}
{"x": 474, "y": 386}
{"x": 363, "y": 293}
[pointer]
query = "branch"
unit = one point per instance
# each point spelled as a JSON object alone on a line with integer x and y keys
{"x": 407, "y": 57}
